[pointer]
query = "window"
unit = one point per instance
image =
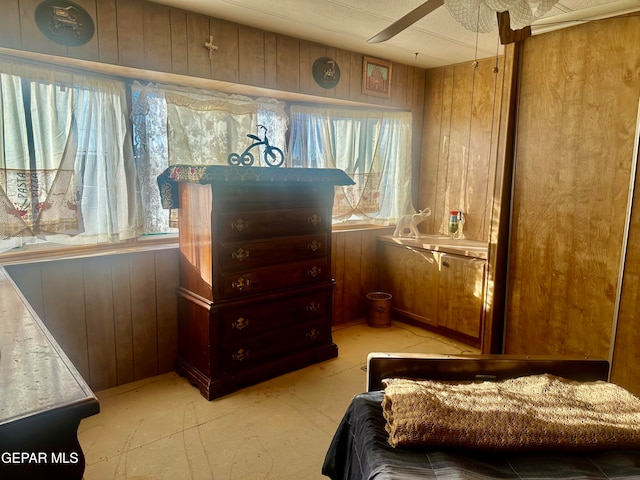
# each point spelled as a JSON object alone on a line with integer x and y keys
{"x": 67, "y": 172}
{"x": 372, "y": 147}
{"x": 187, "y": 126}
{"x": 80, "y": 154}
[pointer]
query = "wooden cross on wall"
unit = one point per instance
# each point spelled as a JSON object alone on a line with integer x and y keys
{"x": 210, "y": 46}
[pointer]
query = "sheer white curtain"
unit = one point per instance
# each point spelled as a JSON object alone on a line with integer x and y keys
{"x": 372, "y": 147}
{"x": 67, "y": 172}
{"x": 176, "y": 125}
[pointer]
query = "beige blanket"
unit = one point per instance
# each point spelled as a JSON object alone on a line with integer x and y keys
{"x": 538, "y": 412}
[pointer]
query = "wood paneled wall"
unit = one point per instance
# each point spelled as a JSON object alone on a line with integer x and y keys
{"x": 576, "y": 128}
{"x": 115, "y": 316}
{"x": 150, "y": 36}
{"x": 460, "y": 135}
{"x": 355, "y": 271}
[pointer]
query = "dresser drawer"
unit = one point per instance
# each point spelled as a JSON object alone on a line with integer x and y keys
{"x": 304, "y": 194}
{"x": 260, "y": 280}
{"x": 241, "y": 353}
{"x": 245, "y": 320}
{"x": 249, "y": 254}
{"x": 245, "y": 225}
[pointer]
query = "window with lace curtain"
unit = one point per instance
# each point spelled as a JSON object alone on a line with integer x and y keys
{"x": 80, "y": 153}
{"x": 67, "y": 173}
{"x": 175, "y": 125}
{"x": 373, "y": 147}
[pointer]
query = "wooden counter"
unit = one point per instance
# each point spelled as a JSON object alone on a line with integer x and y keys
{"x": 42, "y": 396}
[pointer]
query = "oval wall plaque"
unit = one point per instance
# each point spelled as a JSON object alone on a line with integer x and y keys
{"x": 64, "y": 22}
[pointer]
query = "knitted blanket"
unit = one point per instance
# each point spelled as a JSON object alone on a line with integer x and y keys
{"x": 538, "y": 412}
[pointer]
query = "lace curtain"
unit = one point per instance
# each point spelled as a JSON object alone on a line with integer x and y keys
{"x": 66, "y": 163}
{"x": 372, "y": 147}
{"x": 180, "y": 125}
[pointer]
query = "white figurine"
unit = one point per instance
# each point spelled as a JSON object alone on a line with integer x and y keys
{"x": 411, "y": 222}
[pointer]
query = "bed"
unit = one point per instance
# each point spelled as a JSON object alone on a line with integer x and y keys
{"x": 361, "y": 447}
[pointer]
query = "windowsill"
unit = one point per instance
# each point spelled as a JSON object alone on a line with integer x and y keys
{"x": 46, "y": 252}
{"x": 355, "y": 227}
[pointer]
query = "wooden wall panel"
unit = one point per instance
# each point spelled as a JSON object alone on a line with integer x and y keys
{"x": 224, "y": 61}
{"x": 130, "y": 33}
{"x": 29, "y": 281}
{"x": 197, "y": 56}
{"x": 576, "y": 127}
{"x": 10, "y": 24}
{"x": 144, "y": 311}
{"x": 107, "y": 27}
{"x": 355, "y": 272}
{"x": 123, "y": 318}
{"x": 64, "y": 310}
{"x": 460, "y": 132}
{"x": 287, "y": 63}
{"x": 352, "y": 288}
{"x": 270, "y": 60}
{"x": 343, "y": 89}
{"x": 157, "y": 48}
{"x": 166, "y": 266}
{"x": 433, "y": 124}
{"x": 114, "y": 316}
{"x": 626, "y": 356}
{"x": 98, "y": 304}
{"x": 251, "y": 56}
{"x": 179, "y": 42}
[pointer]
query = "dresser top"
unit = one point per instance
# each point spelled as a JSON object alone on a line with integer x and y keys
{"x": 212, "y": 174}
{"x": 36, "y": 377}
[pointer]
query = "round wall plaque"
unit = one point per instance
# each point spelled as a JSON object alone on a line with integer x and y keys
{"x": 326, "y": 72}
{"x": 64, "y": 22}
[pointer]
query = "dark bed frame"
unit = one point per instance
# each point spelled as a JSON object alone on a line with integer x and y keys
{"x": 381, "y": 365}
{"x": 360, "y": 451}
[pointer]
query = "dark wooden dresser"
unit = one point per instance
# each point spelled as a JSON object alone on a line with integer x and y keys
{"x": 255, "y": 295}
{"x": 42, "y": 396}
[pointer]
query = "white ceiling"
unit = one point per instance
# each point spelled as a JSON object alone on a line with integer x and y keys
{"x": 435, "y": 40}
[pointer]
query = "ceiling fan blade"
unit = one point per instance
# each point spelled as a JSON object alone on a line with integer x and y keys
{"x": 405, "y": 22}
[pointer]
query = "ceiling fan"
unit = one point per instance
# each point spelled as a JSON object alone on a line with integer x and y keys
{"x": 506, "y": 33}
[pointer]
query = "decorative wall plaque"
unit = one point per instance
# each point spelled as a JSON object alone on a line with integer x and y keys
{"x": 64, "y": 22}
{"x": 326, "y": 72}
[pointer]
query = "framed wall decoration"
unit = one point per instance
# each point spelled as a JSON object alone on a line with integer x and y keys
{"x": 326, "y": 72}
{"x": 376, "y": 77}
{"x": 64, "y": 22}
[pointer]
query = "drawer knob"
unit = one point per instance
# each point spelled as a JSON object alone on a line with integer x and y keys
{"x": 315, "y": 219}
{"x": 314, "y": 271}
{"x": 240, "y": 355}
{"x": 240, "y": 323}
{"x": 314, "y": 246}
{"x": 313, "y": 334}
{"x": 241, "y": 283}
{"x": 313, "y": 306}
{"x": 240, "y": 254}
{"x": 240, "y": 225}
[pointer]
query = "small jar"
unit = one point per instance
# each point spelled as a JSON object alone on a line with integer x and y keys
{"x": 454, "y": 222}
